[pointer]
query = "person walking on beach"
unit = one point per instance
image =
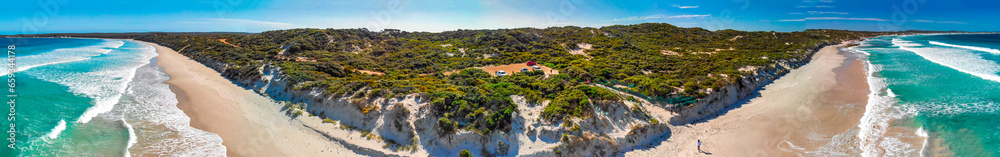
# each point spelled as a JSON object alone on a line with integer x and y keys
{"x": 699, "y": 146}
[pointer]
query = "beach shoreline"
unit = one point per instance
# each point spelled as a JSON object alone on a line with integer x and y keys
{"x": 813, "y": 109}
{"x": 248, "y": 123}
{"x": 824, "y": 98}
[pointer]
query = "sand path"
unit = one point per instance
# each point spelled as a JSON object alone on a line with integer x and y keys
{"x": 227, "y": 43}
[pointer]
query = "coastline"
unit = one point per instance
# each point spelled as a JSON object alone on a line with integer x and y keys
{"x": 248, "y": 123}
{"x": 816, "y": 97}
{"x": 811, "y": 112}
{"x": 812, "y": 109}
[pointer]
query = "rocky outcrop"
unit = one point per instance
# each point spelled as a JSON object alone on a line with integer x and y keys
{"x": 724, "y": 99}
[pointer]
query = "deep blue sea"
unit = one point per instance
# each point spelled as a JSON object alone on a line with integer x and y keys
{"x": 947, "y": 86}
{"x": 95, "y": 97}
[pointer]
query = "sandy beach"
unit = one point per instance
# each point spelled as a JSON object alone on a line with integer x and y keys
{"x": 249, "y": 124}
{"x": 812, "y": 110}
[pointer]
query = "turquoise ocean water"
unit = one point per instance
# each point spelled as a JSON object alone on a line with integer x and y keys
{"x": 95, "y": 97}
{"x": 946, "y": 86}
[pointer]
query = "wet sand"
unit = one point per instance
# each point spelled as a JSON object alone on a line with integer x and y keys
{"x": 249, "y": 124}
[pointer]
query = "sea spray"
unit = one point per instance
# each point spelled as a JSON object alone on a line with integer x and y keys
{"x": 102, "y": 97}
{"x": 63, "y": 55}
{"x": 958, "y": 59}
{"x": 923, "y": 147}
{"x": 878, "y": 114}
{"x": 932, "y": 95}
{"x": 159, "y": 126}
{"x": 993, "y": 51}
{"x": 131, "y": 137}
{"x": 60, "y": 127}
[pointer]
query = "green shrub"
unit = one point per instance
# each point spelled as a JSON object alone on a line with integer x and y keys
{"x": 465, "y": 153}
{"x": 447, "y": 125}
{"x": 414, "y": 62}
{"x": 571, "y": 103}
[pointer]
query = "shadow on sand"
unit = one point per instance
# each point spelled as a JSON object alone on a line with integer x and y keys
{"x": 738, "y": 104}
{"x": 653, "y": 143}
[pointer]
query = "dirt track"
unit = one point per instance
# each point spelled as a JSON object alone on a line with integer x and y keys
{"x": 516, "y": 68}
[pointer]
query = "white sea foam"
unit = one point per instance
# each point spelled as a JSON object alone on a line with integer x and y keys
{"x": 23, "y": 68}
{"x": 953, "y": 109}
{"x": 958, "y": 59}
{"x": 102, "y": 79}
{"x": 131, "y": 137}
{"x": 878, "y": 113}
{"x": 895, "y": 147}
{"x": 60, "y": 127}
{"x": 993, "y": 51}
{"x": 122, "y": 82}
{"x": 923, "y": 133}
{"x": 900, "y": 43}
{"x": 63, "y": 55}
{"x": 838, "y": 145}
{"x": 165, "y": 128}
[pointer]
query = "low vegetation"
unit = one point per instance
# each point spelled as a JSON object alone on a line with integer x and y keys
{"x": 465, "y": 153}
{"x": 661, "y": 62}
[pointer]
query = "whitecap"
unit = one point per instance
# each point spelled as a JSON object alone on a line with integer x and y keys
{"x": 900, "y": 43}
{"x": 878, "y": 114}
{"x": 62, "y": 55}
{"x": 993, "y": 51}
{"x": 959, "y": 59}
{"x": 151, "y": 107}
{"x": 131, "y": 137}
{"x": 105, "y": 83}
{"x": 60, "y": 127}
{"x": 953, "y": 109}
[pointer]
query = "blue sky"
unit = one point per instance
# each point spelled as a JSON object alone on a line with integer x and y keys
{"x": 64, "y": 16}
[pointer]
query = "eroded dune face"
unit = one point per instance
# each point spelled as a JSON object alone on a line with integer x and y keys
{"x": 612, "y": 128}
{"x": 407, "y": 122}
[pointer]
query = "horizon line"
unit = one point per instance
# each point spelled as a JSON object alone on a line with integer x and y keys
{"x": 528, "y": 27}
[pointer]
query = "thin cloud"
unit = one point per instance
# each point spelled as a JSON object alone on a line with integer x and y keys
{"x": 661, "y": 16}
{"x": 812, "y": 1}
{"x": 827, "y": 12}
{"x": 816, "y": 6}
{"x": 789, "y": 20}
{"x": 941, "y": 22}
{"x": 636, "y": 18}
{"x": 685, "y": 7}
{"x": 835, "y": 18}
{"x": 688, "y": 16}
{"x": 251, "y": 22}
{"x": 951, "y": 22}
{"x": 795, "y": 13}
